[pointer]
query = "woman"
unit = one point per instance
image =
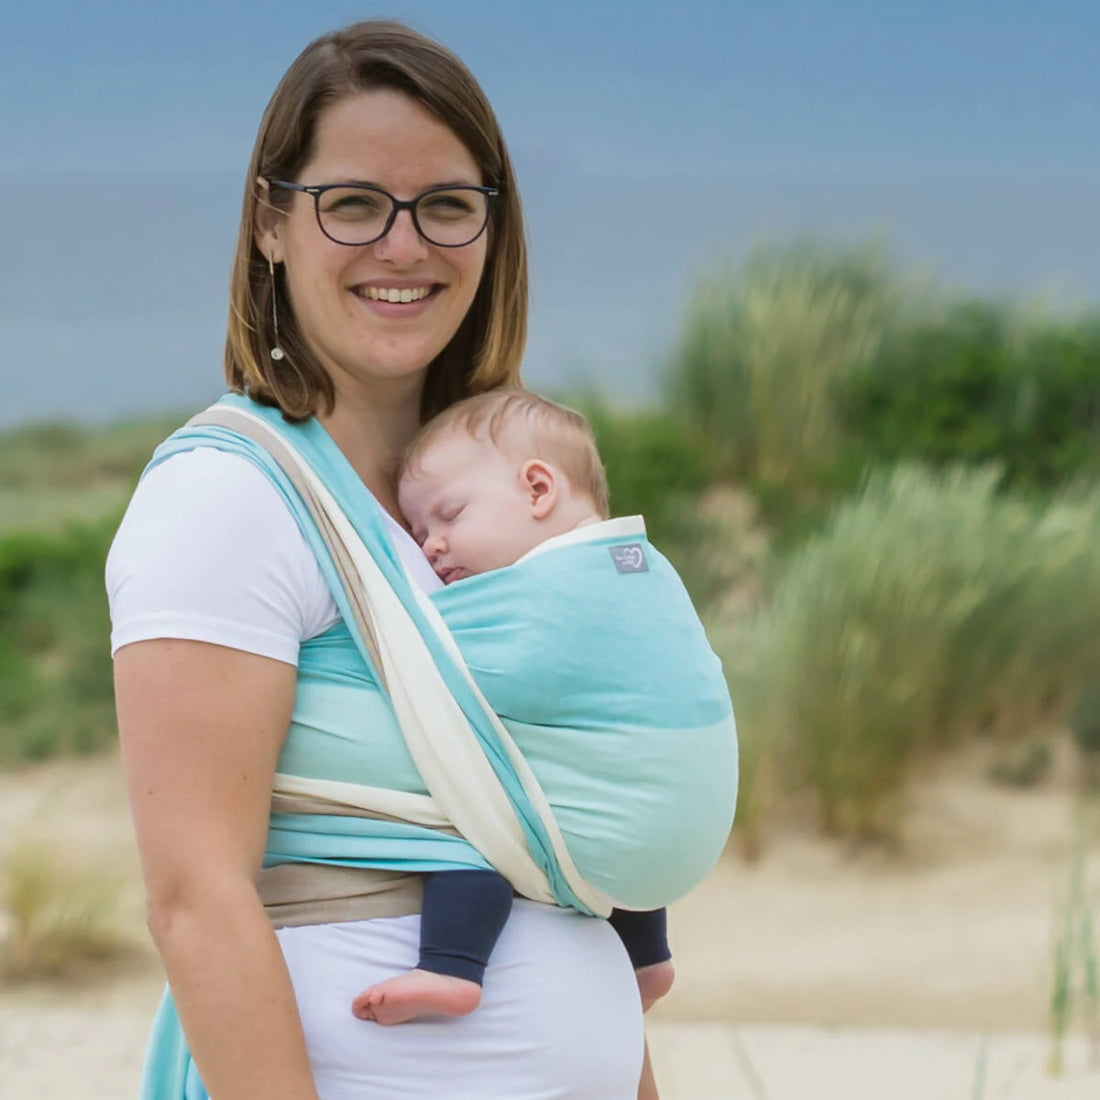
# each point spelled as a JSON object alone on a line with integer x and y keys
{"x": 369, "y": 306}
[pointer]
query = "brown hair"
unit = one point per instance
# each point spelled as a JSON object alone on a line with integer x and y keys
{"x": 558, "y": 434}
{"x": 486, "y": 350}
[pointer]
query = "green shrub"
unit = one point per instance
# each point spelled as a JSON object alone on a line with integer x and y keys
{"x": 929, "y": 604}
{"x": 982, "y": 382}
{"x": 762, "y": 349}
{"x": 653, "y": 464}
{"x": 657, "y": 468}
{"x": 1085, "y": 723}
{"x": 55, "y": 665}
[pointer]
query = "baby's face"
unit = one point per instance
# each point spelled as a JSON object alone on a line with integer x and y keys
{"x": 468, "y": 507}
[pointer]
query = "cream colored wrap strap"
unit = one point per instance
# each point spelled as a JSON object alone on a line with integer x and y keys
{"x": 443, "y": 745}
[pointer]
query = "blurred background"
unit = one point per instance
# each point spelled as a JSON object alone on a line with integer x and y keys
{"x": 826, "y": 277}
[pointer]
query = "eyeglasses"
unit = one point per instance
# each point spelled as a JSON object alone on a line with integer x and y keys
{"x": 359, "y": 213}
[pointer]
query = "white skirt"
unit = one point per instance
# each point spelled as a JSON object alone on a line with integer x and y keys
{"x": 560, "y": 1017}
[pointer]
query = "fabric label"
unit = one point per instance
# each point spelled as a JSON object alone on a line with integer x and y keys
{"x": 629, "y": 558}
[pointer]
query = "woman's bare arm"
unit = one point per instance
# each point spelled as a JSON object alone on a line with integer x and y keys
{"x": 201, "y": 727}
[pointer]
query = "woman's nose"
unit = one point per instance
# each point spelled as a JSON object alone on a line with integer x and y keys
{"x": 403, "y": 243}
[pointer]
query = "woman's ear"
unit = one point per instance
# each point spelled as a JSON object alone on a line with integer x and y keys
{"x": 541, "y": 483}
{"x": 267, "y": 230}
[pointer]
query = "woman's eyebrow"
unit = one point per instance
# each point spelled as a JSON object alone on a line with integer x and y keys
{"x": 455, "y": 183}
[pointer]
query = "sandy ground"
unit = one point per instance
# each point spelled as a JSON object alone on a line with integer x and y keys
{"x": 816, "y": 972}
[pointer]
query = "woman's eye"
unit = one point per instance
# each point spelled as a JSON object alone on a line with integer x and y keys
{"x": 351, "y": 204}
{"x": 446, "y": 205}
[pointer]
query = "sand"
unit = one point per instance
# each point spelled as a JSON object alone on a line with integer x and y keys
{"x": 817, "y": 972}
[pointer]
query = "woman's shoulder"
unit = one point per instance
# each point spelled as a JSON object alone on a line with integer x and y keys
{"x": 209, "y": 550}
{"x": 202, "y": 496}
{"x": 202, "y": 459}
{"x": 203, "y": 474}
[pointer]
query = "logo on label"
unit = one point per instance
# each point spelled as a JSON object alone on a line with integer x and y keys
{"x": 629, "y": 558}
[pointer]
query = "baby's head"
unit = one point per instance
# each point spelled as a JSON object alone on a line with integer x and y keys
{"x": 493, "y": 476}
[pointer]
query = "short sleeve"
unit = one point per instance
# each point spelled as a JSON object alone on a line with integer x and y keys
{"x": 208, "y": 551}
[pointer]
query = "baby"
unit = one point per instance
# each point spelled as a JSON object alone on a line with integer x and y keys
{"x": 486, "y": 481}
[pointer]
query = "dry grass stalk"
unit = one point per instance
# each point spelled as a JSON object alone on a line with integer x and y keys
{"x": 62, "y": 917}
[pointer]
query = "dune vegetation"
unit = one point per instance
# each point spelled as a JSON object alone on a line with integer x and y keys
{"x": 925, "y": 469}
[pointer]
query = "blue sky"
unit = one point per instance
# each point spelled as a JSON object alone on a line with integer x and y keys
{"x": 968, "y": 133}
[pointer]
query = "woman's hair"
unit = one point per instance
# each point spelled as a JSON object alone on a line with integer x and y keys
{"x": 532, "y": 426}
{"x": 486, "y": 350}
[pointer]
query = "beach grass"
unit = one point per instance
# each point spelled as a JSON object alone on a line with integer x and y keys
{"x": 931, "y": 605}
{"x": 1075, "y": 966}
{"x": 61, "y": 913}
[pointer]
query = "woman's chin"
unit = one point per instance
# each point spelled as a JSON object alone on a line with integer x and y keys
{"x": 392, "y": 359}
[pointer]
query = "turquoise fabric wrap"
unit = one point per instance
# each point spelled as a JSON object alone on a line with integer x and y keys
{"x": 609, "y": 688}
{"x": 604, "y": 679}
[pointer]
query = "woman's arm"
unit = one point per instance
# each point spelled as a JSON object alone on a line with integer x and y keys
{"x": 201, "y": 727}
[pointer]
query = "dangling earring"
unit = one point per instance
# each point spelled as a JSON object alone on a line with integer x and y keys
{"x": 277, "y": 352}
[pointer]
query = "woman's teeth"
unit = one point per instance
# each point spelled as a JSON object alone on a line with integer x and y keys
{"x": 392, "y": 294}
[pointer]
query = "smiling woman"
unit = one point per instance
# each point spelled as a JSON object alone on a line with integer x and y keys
{"x": 400, "y": 122}
{"x": 380, "y": 276}
{"x": 344, "y": 296}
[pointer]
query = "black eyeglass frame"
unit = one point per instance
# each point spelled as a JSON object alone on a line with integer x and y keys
{"x": 396, "y": 206}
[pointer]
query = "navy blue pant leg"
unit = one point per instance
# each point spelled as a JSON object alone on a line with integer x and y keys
{"x": 463, "y": 914}
{"x": 644, "y": 935}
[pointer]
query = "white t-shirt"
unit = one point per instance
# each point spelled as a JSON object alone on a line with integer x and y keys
{"x": 208, "y": 551}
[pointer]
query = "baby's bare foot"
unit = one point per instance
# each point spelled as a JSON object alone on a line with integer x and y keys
{"x": 654, "y": 982}
{"x": 418, "y": 993}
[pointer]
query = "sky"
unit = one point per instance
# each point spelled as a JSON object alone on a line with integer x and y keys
{"x": 655, "y": 142}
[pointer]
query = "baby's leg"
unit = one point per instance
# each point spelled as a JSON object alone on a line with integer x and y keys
{"x": 645, "y": 937}
{"x": 462, "y": 917}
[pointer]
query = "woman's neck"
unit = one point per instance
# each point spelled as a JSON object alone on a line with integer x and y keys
{"x": 373, "y": 431}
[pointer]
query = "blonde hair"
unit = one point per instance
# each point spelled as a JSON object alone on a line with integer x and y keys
{"x": 557, "y": 434}
{"x": 486, "y": 350}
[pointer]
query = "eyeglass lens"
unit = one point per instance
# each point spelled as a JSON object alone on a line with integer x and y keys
{"x": 358, "y": 215}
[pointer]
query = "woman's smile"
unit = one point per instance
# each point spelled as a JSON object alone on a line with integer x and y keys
{"x": 398, "y": 298}
{"x": 395, "y": 294}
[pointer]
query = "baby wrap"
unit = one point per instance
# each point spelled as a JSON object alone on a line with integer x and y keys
{"x": 609, "y": 776}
